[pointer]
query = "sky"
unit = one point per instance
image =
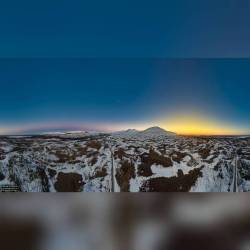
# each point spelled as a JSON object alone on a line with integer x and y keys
{"x": 111, "y": 65}
{"x": 187, "y": 96}
{"x": 125, "y": 28}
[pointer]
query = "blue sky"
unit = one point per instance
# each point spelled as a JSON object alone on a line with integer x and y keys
{"x": 116, "y": 64}
{"x": 96, "y": 92}
{"x": 125, "y": 28}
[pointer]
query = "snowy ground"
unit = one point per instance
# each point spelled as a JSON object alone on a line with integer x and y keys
{"x": 52, "y": 163}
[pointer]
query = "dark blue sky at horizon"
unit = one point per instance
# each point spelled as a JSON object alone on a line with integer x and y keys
{"x": 125, "y": 91}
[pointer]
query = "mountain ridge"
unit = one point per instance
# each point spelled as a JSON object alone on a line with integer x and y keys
{"x": 150, "y": 132}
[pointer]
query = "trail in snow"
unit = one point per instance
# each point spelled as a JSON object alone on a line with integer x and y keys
{"x": 112, "y": 168}
{"x": 236, "y": 163}
{"x": 112, "y": 172}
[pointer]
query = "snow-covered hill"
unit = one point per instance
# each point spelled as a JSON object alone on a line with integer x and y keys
{"x": 150, "y": 133}
{"x": 155, "y": 132}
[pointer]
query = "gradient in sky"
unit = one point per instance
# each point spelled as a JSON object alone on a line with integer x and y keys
{"x": 90, "y": 90}
{"x": 187, "y": 96}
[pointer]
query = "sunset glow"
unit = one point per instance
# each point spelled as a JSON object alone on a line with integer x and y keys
{"x": 190, "y": 124}
{"x": 190, "y": 97}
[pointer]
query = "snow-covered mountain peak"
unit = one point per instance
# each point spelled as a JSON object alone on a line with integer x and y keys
{"x": 156, "y": 132}
{"x": 153, "y": 132}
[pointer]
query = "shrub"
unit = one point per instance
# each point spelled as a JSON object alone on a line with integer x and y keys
{"x": 181, "y": 183}
{"x": 152, "y": 158}
{"x": 100, "y": 173}
{"x": 124, "y": 174}
{"x": 94, "y": 144}
{"x": 178, "y": 156}
{"x": 2, "y": 177}
{"x": 204, "y": 153}
{"x": 52, "y": 172}
{"x": 120, "y": 153}
{"x": 69, "y": 182}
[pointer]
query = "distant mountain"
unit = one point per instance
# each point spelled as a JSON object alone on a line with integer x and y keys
{"x": 156, "y": 132}
{"x": 126, "y": 133}
{"x": 71, "y": 134}
{"x": 153, "y": 132}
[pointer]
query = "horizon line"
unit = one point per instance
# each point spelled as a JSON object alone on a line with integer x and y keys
{"x": 43, "y": 133}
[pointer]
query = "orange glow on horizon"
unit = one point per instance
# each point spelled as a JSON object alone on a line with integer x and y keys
{"x": 182, "y": 124}
{"x": 198, "y": 125}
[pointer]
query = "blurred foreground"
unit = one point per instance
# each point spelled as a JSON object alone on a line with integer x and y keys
{"x": 139, "y": 221}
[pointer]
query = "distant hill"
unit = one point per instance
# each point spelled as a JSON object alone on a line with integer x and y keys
{"x": 71, "y": 134}
{"x": 153, "y": 132}
{"x": 156, "y": 132}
